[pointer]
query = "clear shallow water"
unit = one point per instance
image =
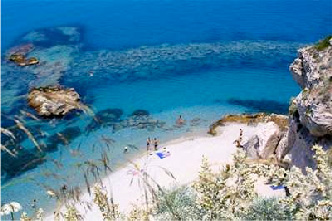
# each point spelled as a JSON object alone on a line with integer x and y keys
{"x": 196, "y": 86}
{"x": 165, "y": 99}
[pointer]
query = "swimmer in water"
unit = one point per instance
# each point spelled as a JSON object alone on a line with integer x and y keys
{"x": 180, "y": 121}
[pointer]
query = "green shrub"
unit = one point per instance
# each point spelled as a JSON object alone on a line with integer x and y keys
{"x": 292, "y": 106}
{"x": 182, "y": 202}
{"x": 321, "y": 45}
{"x": 267, "y": 209}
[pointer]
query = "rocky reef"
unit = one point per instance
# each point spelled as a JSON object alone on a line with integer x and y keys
{"x": 155, "y": 62}
{"x": 311, "y": 110}
{"x": 139, "y": 119}
{"x": 54, "y": 101}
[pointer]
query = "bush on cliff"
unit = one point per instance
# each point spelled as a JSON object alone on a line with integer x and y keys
{"x": 322, "y": 44}
{"x": 267, "y": 209}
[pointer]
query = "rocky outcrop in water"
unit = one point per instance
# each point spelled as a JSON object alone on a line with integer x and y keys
{"x": 54, "y": 101}
{"x": 311, "y": 110}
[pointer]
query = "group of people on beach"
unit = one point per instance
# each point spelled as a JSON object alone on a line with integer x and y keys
{"x": 153, "y": 142}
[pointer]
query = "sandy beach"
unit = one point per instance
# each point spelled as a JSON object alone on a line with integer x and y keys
{"x": 183, "y": 161}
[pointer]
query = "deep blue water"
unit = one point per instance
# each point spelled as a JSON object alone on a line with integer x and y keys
{"x": 132, "y": 23}
{"x": 201, "y": 59}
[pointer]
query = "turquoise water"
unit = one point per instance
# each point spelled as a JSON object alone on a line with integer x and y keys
{"x": 200, "y": 59}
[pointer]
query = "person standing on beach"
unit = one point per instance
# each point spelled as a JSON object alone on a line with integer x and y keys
{"x": 155, "y": 142}
{"x": 238, "y": 141}
{"x": 148, "y": 143}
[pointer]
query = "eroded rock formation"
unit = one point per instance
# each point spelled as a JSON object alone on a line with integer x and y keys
{"x": 311, "y": 110}
{"x": 54, "y": 101}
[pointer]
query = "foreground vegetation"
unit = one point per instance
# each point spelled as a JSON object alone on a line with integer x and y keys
{"x": 228, "y": 194}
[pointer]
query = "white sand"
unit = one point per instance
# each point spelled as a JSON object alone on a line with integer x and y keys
{"x": 184, "y": 163}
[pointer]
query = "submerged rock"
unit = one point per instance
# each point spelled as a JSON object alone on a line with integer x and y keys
{"x": 19, "y": 59}
{"x": 46, "y": 37}
{"x": 155, "y": 62}
{"x": 22, "y": 49}
{"x": 140, "y": 119}
{"x": 54, "y": 101}
{"x": 19, "y": 53}
{"x": 140, "y": 113}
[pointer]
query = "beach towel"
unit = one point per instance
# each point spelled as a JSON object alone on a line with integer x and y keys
{"x": 277, "y": 187}
{"x": 163, "y": 155}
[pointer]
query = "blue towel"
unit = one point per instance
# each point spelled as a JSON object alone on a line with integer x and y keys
{"x": 161, "y": 155}
{"x": 277, "y": 187}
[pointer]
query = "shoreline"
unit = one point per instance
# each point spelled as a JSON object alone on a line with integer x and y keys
{"x": 183, "y": 163}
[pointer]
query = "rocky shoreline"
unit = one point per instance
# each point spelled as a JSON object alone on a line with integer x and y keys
{"x": 310, "y": 114}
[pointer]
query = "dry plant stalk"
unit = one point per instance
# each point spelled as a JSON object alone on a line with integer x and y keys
{"x": 27, "y": 132}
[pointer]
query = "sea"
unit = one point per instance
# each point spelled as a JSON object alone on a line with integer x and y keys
{"x": 138, "y": 65}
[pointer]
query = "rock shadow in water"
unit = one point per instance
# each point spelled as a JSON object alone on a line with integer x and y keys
{"x": 24, "y": 161}
{"x": 104, "y": 118}
{"x": 63, "y": 138}
{"x": 267, "y": 106}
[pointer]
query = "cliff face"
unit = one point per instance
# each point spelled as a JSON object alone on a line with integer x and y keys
{"x": 311, "y": 111}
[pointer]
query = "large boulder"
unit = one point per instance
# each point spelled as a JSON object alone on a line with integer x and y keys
{"x": 54, "y": 101}
{"x": 271, "y": 145}
{"x": 252, "y": 147}
{"x": 283, "y": 147}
